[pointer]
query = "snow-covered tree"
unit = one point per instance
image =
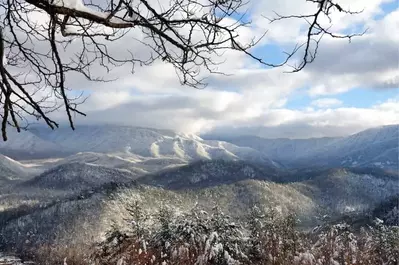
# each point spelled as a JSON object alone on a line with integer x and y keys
{"x": 255, "y": 223}
{"x": 214, "y": 238}
{"x": 137, "y": 219}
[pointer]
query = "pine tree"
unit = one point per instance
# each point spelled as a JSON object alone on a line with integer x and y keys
{"x": 137, "y": 219}
{"x": 256, "y": 247}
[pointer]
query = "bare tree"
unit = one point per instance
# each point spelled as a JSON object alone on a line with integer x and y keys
{"x": 44, "y": 42}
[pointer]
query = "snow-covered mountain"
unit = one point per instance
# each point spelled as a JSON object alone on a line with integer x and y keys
{"x": 11, "y": 169}
{"x": 25, "y": 145}
{"x": 233, "y": 186}
{"x": 149, "y": 150}
{"x": 209, "y": 173}
{"x": 78, "y": 176}
{"x": 281, "y": 149}
{"x": 376, "y": 147}
{"x": 349, "y": 190}
{"x": 125, "y": 161}
{"x": 134, "y": 142}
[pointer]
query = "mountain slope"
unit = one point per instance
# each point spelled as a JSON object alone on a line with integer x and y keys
{"x": 282, "y": 149}
{"x": 26, "y": 145}
{"x": 373, "y": 147}
{"x": 349, "y": 190}
{"x": 82, "y": 218}
{"x": 376, "y": 147}
{"x": 78, "y": 176}
{"x": 209, "y": 173}
{"x": 11, "y": 169}
{"x": 129, "y": 142}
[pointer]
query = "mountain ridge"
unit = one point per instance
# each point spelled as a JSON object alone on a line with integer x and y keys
{"x": 376, "y": 147}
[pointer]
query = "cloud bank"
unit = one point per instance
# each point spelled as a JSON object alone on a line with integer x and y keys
{"x": 255, "y": 100}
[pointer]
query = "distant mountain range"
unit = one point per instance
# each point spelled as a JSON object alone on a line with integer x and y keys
{"x": 126, "y": 142}
{"x": 377, "y": 147}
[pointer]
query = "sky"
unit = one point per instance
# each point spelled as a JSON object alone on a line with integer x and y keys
{"x": 348, "y": 88}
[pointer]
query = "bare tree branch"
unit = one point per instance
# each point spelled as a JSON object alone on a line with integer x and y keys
{"x": 37, "y": 56}
{"x": 315, "y": 31}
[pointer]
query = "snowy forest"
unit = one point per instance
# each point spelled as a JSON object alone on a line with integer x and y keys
{"x": 115, "y": 208}
{"x": 264, "y": 237}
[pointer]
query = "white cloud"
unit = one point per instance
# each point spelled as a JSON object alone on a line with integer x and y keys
{"x": 326, "y": 102}
{"x": 308, "y": 123}
{"x": 253, "y": 99}
{"x": 369, "y": 61}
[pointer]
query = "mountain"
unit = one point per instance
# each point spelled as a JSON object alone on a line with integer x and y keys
{"x": 125, "y": 161}
{"x": 104, "y": 138}
{"x": 282, "y": 149}
{"x": 373, "y": 147}
{"x": 138, "y": 143}
{"x": 78, "y": 176}
{"x": 376, "y": 147}
{"x": 26, "y": 145}
{"x": 11, "y": 169}
{"x": 349, "y": 190}
{"x": 209, "y": 173}
{"x": 234, "y": 186}
{"x": 130, "y": 163}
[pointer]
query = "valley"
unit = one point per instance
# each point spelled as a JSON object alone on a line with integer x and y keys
{"x": 79, "y": 185}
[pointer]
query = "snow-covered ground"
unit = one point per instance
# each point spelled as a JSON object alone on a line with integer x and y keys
{"x": 11, "y": 260}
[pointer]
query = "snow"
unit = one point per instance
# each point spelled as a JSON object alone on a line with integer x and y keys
{"x": 138, "y": 144}
{"x": 73, "y": 4}
{"x": 80, "y": 6}
{"x": 12, "y": 260}
{"x": 11, "y": 168}
{"x": 359, "y": 150}
{"x": 79, "y": 176}
{"x": 27, "y": 142}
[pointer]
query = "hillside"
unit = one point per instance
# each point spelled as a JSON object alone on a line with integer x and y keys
{"x": 14, "y": 170}
{"x": 377, "y": 147}
{"x": 282, "y": 149}
{"x": 233, "y": 186}
{"x": 209, "y": 173}
{"x": 26, "y": 145}
{"x": 78, "y": 176}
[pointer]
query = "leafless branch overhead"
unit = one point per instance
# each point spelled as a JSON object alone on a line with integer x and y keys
{"x": 44, "y": 42}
